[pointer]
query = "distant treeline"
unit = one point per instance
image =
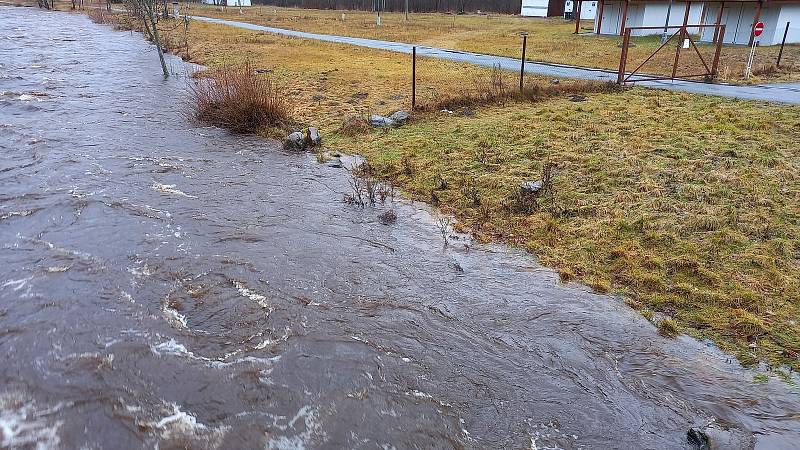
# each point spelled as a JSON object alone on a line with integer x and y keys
{"x": 458, "y": 6}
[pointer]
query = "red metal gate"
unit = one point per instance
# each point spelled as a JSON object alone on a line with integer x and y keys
{"x": 679, "y": 37}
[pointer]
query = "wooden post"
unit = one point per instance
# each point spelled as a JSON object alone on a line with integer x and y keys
{"x": 578, "y": 17}
{"x": 600, "y": 8}
{"x": 719, "y": 21}
{"x": 756, "y": 19}
{"x": 624, "y": 18}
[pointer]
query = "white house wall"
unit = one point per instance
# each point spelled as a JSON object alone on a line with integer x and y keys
{"x": 534, "y": 8}
{"x": 791, "y": 14}
{"x": 738, "y": 20}
{"x": 588, "y": 9}
{"x": 650, "y": 14}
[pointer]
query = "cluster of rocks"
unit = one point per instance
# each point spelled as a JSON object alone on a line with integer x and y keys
{"x": 395, "y": 120}
{"x": 299, "y": 140}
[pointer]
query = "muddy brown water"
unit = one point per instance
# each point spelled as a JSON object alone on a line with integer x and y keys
{"x": 164, "y": 285}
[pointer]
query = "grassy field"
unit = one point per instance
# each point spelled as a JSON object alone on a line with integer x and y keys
{"x": 687, "y": 205}
{"x": 550, "y": 40}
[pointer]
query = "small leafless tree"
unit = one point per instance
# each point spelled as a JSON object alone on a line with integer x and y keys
{"x": 46, "y": 4}
{"x": 147, "y": 13}
{"x": 443, "y": 221}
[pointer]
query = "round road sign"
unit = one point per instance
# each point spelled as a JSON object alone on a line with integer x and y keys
{"x": 758, "y": 29}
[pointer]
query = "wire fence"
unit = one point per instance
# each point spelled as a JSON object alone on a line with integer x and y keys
{"x": 446, "y": 85}
{"x": 441, "y": 84}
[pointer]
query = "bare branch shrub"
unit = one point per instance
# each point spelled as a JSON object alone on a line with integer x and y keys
{"x": 443, "y": 222}
{"x": 98, "y": 15}
{"x": 238, "y": 99}
{"x": 366, "y": 188}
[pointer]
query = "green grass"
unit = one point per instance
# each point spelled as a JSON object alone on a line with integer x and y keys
{"x": 687, "y": 204}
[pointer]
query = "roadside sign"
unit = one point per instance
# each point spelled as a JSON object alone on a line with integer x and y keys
{"x": 758, "y": 29}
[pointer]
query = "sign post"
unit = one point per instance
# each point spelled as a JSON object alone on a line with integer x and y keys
{"x": 757, "y": 30}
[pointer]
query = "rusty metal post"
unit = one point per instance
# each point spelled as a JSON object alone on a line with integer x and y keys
{"x": 715, "y": 64}
{"x": 413, "y": 78}
{"x": 522, "y": 65}
{"x": 681, "y": 37}
{"x": 624, "y": 19}
{"x": 600, "y": 7}
{"x": 719, "y": 21}
{"x": 783, "y": 42}
{"x": 623, "y": 57}
{"x": 756, "y": 19}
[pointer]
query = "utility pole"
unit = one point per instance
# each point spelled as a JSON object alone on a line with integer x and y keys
{"x": 406, "y": 10}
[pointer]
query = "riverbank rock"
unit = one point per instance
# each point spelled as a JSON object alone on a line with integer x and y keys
{"x": 380, "y": 121}
{"x": 295, "y": 141}
{"x": 400, "y": 117}
{"x": 335, "y": 163}
{"x": 302, "y": 140}
{"x": 531, "y": 187}
{"x": 577, "y": 98}
{"x": 716, "y": 437}
{"x": 313, "y": 138}
{"x": 397, "y": 119}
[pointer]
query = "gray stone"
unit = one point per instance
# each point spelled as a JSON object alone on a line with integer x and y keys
{"x": 336, "y": 163}
{"x": 531, "y": 187}
{"x": 313, "y": 138}
{"x": 400, "y": 117}
{"x": 388, "y": 217}
{"x": 295, "y": 141}
{"x": 380, "y": 121}
{"x": 577, "y": 98}
{"x": 717, "y": 437}
{"x": 554, "y": 81}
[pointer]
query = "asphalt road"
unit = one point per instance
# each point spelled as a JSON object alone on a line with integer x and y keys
{"x": 779, "y": 92}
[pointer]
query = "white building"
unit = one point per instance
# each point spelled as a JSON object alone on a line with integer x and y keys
{"x": 611, "y": 15}
{"x": 229, "y": 2}
{"x": 740, "y": 16}
{"x": 588, "y": 9}
{"x": 542, "y": 8}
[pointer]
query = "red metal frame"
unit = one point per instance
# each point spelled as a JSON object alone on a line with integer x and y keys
{"x": 682, "y": 32}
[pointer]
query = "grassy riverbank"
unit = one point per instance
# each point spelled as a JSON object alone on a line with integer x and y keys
{"x": 550, "y": 40}
{"x": 688, "y": 205}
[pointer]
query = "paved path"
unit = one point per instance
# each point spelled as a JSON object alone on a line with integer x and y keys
{"x": 783, "y": 93}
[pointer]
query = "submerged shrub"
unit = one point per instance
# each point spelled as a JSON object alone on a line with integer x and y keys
{"x": 238, "y": 99}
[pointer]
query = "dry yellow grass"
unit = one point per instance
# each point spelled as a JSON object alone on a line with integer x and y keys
{"x": 688, "y": 205}
{"x": 549, "y": 40}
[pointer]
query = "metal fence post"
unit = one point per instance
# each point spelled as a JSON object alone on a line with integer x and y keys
{"x": 720, "y": 30}
{"x": 522, "y": 65}
{"x": 623, "y": 57}
{"x": 783, "y": 42}
{"x": 413, "y": 78}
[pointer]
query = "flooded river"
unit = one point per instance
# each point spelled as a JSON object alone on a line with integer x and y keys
{"x": 164, "y": 285}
